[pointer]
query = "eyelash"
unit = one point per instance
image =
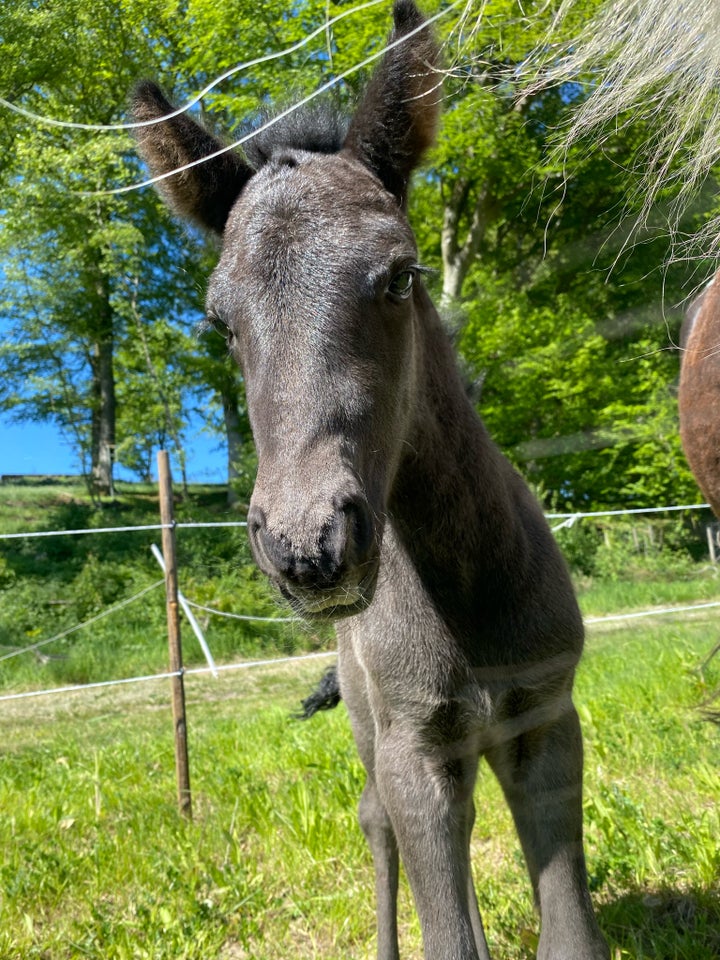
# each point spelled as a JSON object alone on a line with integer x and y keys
{"x": 412, "y": 269}
{"x": 214, "y": 323}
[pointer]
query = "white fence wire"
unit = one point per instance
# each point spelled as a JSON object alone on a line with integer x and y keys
{"x": 567, "y": 521}
{"x": 188, "y": 525}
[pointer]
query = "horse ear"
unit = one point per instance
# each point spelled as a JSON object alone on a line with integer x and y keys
{"x": 396, "y": 119}
{"x": 204, "y": 193}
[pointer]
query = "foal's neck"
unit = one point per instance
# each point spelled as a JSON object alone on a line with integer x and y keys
{"x": 459, "y": 507}
{"x": 471, "y": 531}
{"x": 452, "y": 466}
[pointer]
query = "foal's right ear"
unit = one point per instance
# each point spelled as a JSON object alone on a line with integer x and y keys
{"x": 205, "y": 192}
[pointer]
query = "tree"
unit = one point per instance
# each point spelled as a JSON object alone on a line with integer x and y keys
{"x": 563, "y": 325}
{"x": 90, "y": 279}
{"x": 99, "y": 330}
{"x": 61, "y": 301}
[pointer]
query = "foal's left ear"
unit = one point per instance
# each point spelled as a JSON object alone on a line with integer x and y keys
{"x": 397, "y": 117}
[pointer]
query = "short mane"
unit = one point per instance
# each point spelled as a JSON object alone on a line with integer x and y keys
{"x": 315, "y": 127}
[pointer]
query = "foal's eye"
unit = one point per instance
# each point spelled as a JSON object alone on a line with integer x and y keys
{"x": 219, "y": 326}
{"x": 401, "y": 284}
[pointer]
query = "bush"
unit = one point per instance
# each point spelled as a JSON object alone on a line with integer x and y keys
{"x": 579, "y": 544}
{"x": 99, "y": 584}
{"x": 619, "y": 548}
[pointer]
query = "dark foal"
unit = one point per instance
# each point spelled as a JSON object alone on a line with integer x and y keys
{"x": 381, "y": 503}
{"x": 699, "y": 393}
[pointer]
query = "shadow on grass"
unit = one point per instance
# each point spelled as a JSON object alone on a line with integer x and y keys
{"x": 663, "y": 924}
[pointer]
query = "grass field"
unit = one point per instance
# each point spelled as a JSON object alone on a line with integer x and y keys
{"x": 96, "y": 862}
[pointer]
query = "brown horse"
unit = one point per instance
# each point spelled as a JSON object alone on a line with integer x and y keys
{"x": 699, "y": 393}
{"x": 382, "y": 504}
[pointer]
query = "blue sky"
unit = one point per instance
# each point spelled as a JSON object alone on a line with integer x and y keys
{"x": 40, "y": 448}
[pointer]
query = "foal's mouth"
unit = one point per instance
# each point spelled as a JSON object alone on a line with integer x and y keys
{"x": 330, "y": 604}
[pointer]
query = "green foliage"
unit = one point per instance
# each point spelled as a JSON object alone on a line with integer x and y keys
{"x": 567, "y": 326}
{"x": 80, "y": 274}
{"x": 590, "y": 418}
{"x": 99, "y": 584}
{"x": 620, "y": 556}
{"x": 634, "y": 548}
{"x": 563, "y": 323}
{"x": 50, "y": 585}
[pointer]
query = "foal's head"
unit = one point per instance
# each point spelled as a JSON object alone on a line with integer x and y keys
{"x": 316, "y": 292}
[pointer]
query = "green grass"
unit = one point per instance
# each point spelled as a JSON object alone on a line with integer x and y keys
{"x": 98, "y": 863}
{"x": 600, "y": 597}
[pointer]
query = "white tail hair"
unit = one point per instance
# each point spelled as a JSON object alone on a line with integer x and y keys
{"x": 657, "y": 60}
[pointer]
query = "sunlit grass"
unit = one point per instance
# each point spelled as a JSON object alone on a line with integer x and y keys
{"x": 99, "y": 864}
{"x": 598, "y": 597}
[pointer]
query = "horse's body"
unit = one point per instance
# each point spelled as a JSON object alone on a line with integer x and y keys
{"x": 382, "y": 504}
{"x": 699, "y": 393}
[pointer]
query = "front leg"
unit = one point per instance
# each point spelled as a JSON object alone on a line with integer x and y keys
{"x": 374, "y": 820}
{"x": 427, "y": 792}
{"x": 380, "y": 836}
{"x": 541, "y": 775}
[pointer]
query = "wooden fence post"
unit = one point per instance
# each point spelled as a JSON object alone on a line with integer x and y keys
{"x": 713, "y": 538}
{"x": 182, "y": 764}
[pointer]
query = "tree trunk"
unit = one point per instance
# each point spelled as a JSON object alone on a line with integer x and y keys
{"x": 458, "y": 252}
{"x": 103, "y": 397}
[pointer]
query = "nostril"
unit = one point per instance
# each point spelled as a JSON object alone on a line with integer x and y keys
{"x": 359, "y": 527}
{"x": 344, "y": 545}
{"x": 256, "y": 520}
{"x": 260, "y": 540}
